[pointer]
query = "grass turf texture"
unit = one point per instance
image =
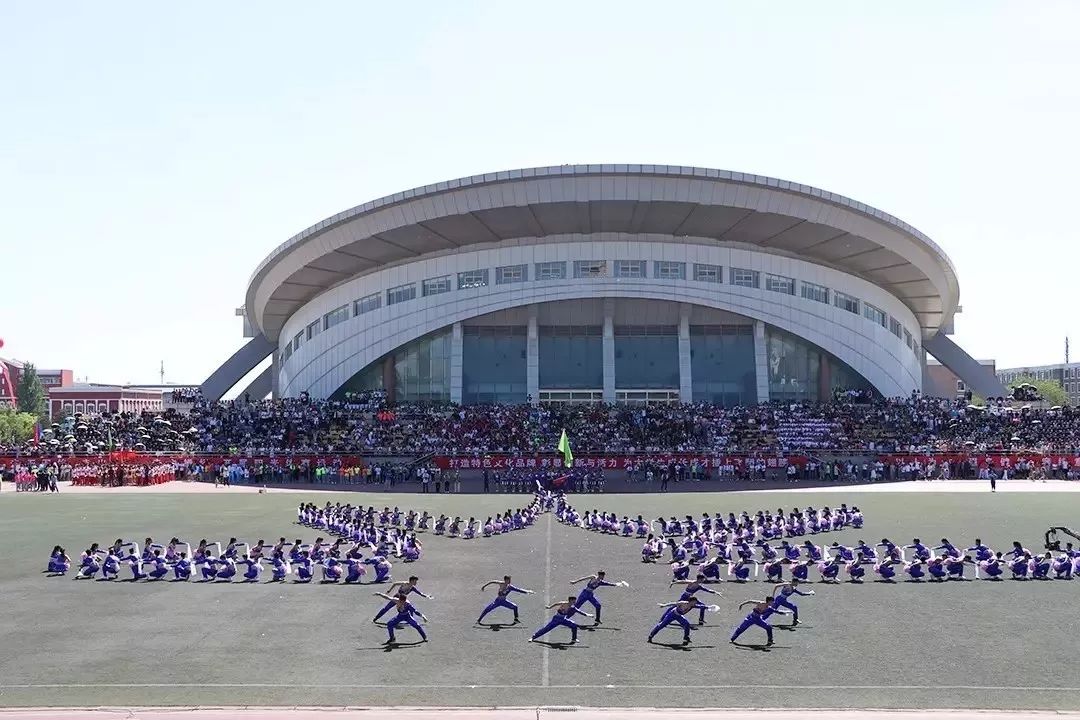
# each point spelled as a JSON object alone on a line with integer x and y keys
{"x": 86, "y": 643}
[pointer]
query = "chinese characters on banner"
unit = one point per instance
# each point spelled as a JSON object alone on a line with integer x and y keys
{"x": 545, "y": 462}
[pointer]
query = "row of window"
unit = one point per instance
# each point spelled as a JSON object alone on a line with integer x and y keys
{"x": 583, "y": 269}
{"x": 1069, "y": 373}
{"x": 631, "y": 397}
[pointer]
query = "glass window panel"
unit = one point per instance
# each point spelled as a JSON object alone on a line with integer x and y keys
{"x": 707, "y": 273}
{"x": 780, "y": 284}
{"x": 472, "y": 279}
{"x": 367, "y": 304}
{"x": 336, "y": 317}
{"x": 314, "y": 329}
{"x": 817, "y": 293}
{"x": 646, "y": 360}
{"x": 571, "y": 357}
{"x": 590, "y": 268}
{"x": 846, "y": 302}
{"x": 875, "y": 315}
{"x": 511, "y": 274}
{"x": 742, "y": 277}
{"x": 401, "y": 293}
{"x": 551, "y": 271}
{"x": 668, "y": 270}
{"x": 894, "y": 327}
{"x": 798, "y": 370}
{"x": 436, "y": 286}
{"x": 421, "y": 372}
{"x": 629, "y": 268}
{"x": 493, "y": 365}
{"x": 722, "y": 364}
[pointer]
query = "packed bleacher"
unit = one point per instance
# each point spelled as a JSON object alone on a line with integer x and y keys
{"x": 354, "y": 442}
{"x": 367, "y": 425}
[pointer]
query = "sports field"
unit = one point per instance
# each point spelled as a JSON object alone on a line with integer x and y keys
{"x": 957, "y": 645}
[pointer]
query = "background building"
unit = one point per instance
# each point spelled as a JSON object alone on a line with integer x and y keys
{"x": 945, "y": 383}
{"x": 94, "y": 399}
{"x": 629, "y": 283}
{"x": 1067, "y": 375}
{"x": 11, "y": 370}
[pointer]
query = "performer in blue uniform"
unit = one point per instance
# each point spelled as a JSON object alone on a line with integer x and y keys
{"x": 761, "y": 609}
{"x": 563, "y": 612}
{"x": 161, "y": 568}
{"x": 692, "y": 588}
{"x": 501, "y": 597}
{"x": 59, "y": 562}
{"x": 676, "y": 613}
{"x": 588, "y": 593}
{"x": 781, "y": 595}
{"x": 403, "y": 588}
{"x": 405, "y": 613}
{"x": 182, "y": 568}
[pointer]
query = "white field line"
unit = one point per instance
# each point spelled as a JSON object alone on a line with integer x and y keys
{"x": 545, "y": 674}
{"x": 410, "y": 686}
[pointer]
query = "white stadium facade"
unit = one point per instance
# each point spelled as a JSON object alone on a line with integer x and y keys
{"x": 615, "y": 283}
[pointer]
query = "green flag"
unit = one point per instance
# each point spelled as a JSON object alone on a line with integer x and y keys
{"x": 564, "y": 448}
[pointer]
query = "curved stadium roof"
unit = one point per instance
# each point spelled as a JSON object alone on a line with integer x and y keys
{"x": 675, "y": 202}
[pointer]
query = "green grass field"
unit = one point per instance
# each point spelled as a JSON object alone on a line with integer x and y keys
{"x": 961, "y": 645}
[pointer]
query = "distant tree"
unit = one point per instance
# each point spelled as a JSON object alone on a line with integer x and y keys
{"x": 30, "y": 393}
{"x": 1049, "y": 390}
{"x": 15, "y": 427}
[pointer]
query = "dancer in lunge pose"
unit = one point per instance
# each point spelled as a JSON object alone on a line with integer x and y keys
{"x": 402, "y": 588}
{"x": 563, "y": 612}
{"x": 761, "y": 609}
{"x": 781, "y": 595}
{"x": 588, "y": 593}
{"x": 405, "y": 613}
{"x": 676, "y": 613}
{"x": 504, "y": 590}
{"x": 692, "y": 588}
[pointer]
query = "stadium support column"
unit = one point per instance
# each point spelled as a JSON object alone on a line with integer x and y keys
{"x": 532, "y": 357}
{"x": 609, "y": 350}
{"x": 389, "y": 378}
{"x": 686, "y": 384}
{"x": 761, "y": 362}
{"x": 275, "y": 381}
{"x": 824, "y": 378}
{"x": 457, "y": 354}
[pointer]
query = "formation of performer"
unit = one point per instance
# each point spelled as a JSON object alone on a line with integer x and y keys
{"x": 985, "y": 563}
{"x": 372, "y": 526}
{"x": 208, "y": 562}
{"x": 763, "y": 525}
{"x": 766, "y": 546}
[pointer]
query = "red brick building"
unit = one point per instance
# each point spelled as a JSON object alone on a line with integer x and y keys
{"x": 96, "y": 399}
{"x": 10, "y": 370}
{"x": 945, "y": 383}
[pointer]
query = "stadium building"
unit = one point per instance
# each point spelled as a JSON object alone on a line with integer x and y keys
{"x": 616, "y": 283}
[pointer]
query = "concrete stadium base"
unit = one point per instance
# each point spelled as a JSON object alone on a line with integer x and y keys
{"x": 513, "y": 713}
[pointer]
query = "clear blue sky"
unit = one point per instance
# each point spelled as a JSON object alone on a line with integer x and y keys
{"x": 151, "y": 154}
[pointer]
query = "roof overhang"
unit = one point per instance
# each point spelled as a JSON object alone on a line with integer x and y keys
{"x": 683, "y": 203}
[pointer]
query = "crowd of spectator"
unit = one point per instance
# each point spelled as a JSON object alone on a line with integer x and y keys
{"x": 365, "y": 424}
{"x": 186, "y": 395}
